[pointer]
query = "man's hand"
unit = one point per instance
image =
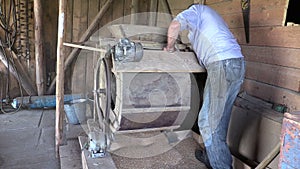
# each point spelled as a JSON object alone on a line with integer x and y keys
{"x": 169, "y": 49}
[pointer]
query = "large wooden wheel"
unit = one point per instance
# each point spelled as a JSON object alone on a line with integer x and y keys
{"x": 103, "y": 96}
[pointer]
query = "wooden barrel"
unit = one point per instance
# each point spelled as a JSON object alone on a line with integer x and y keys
{"x": 290, "y": 141}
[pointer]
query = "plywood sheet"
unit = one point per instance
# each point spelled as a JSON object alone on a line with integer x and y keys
{"x": 161, "y": 61}
{"x": 252, "y": 135}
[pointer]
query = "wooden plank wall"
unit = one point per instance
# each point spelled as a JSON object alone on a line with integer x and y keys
{"x": 26, "y": 50}
{"x": 273, "y": 62}
{"x": 80, "y": 14}
{"x": 272, "y": 56}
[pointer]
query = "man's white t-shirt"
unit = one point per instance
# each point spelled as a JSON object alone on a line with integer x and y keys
{"x": 209, "y": 35}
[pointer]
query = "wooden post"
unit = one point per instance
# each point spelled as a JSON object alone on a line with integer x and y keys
{"x": 153, "y": 12}
{"x": 39, "y": 56}
{"x": 134, "y": 10}
{"x": 60, "y": 78}
{"x": 83, "y": 38}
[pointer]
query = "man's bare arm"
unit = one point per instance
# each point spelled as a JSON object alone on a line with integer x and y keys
{"x": 173, "y": 32}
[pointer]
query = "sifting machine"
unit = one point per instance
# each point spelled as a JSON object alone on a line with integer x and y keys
{"x": 138, "y": 90}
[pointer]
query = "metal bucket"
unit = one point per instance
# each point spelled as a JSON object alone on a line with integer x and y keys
{"x": 290, "y": 141}
{"x": 75, "y": 111}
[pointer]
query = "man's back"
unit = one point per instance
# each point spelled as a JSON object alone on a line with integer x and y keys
{"x": 209, "y": 34}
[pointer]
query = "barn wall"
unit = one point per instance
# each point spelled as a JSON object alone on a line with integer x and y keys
{"x": 273, "y": 64}
{"x": 22, "y": 53}
{"x": 273, "y": 48}
{"x": 272, "y": 74}
{"x": 272, "y": 56}
{"x": 80, "y": 14}
{"x": 24, "y": 57}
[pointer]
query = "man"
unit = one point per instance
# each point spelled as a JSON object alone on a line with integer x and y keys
{"x": 218, "y": 51}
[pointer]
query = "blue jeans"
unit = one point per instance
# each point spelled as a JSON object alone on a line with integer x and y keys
{"x": 224, "y": 79}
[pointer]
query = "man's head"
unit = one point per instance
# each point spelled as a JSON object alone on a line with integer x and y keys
{"x": 202, "y": 2}
{"x": 197, "y": 2}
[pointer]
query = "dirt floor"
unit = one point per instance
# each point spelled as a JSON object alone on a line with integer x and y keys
{"x": 180, "y": 156}
{"x": 27, "y": 142}
{"x": 150, "y": 151}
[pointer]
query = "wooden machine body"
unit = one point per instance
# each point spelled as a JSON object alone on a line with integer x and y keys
{"x": 154, "y": 93}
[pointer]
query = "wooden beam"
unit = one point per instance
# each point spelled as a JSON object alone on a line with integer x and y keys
{"x": 280, "y": 76}
{"x": 269, "y": 158}
{"x": 83, "y": 38}
{"x": 270, "y": 36}
{"x": 24, "y": 79}
{"x": 258, "y": 106}
{"x": 263, "y": 13}
{"x": 39, "y": 56}
{"x": 234, "y": 6}
{"x": 60, "y": 77}
{"x": 84, "y": 47}
{"x": 214, "y": 1}
{"x": 273, "y": 94}
{"x": 266, "y": 17}
{"x": 286, "y": 57}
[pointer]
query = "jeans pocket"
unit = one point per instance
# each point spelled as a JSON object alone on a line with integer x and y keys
{"x": 234, "y": 70}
